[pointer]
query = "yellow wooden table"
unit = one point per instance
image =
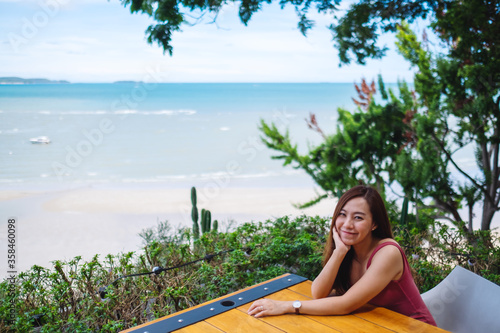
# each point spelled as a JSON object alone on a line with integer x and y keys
{"x": 235, "y": 319}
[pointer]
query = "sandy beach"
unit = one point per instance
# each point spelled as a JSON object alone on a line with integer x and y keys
{"x": 62, "y": 224}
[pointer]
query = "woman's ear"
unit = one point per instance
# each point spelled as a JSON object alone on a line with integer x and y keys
{"x": 374, "y": 227}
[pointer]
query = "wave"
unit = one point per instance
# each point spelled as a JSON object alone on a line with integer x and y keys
{"x": 11, "y": 180}
{"x": 213, "y": 176}
{"x": 221, "y": 178}
{"x": 11, "y": 131}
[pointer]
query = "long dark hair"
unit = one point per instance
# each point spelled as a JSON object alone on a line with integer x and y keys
{"x": 380, "y": 219}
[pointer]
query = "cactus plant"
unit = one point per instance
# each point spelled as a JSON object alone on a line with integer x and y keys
{"x": 202, "y": 220}
{"x": 206, "y": 218}
{"x": 194, "y": 214}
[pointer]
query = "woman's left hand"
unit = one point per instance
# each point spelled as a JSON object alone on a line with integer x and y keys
{"x": 268, "y": 307}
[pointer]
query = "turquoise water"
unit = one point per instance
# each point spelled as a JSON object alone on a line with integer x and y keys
{"x": 156, "y": 133}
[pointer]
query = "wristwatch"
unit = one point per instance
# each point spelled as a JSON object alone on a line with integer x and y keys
{"x": 296, "y": 306}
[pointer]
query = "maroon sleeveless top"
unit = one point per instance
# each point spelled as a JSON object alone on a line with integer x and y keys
{"x": 402, "y": 295}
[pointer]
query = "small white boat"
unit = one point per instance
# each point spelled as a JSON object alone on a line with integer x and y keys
{"x": 40, "y": 139}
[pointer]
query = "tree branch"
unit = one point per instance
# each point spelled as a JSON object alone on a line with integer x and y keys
{"x": 450, "y": 158}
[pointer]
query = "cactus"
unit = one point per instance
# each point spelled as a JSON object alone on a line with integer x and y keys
{"x": 194, "y": 214}
{"x": 206, "y": 218}
{"x": 208, "y": 221}
{"x": 202, "y": 220}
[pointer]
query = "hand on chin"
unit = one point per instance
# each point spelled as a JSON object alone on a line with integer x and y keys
{"x": 340, "y": 240}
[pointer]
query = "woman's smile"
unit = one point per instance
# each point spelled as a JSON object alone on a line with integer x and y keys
{"x": 348, "y": 233}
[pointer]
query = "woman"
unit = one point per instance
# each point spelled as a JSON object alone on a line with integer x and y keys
{"x": 362, "y": 264}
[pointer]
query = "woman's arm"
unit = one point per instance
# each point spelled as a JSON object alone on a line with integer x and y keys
{"x": 386, "y": 264}
{"x": 322, "y": 285}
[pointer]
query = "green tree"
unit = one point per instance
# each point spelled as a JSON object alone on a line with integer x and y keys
{"x": 412, "y": 140}
{"x": 457, "y": 96}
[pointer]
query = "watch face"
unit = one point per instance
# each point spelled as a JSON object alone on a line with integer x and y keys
{"x": 296, "y": 304}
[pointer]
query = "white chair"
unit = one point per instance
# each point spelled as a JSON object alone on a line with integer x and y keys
{"x": 465, "y": 302}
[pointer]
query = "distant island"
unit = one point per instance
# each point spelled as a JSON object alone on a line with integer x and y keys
{"x": 18, "y": 80}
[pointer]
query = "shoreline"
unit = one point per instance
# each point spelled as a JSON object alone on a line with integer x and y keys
{"x": 61, "y": 224}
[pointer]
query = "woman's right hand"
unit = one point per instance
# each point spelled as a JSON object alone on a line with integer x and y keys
{"x": 323, "y": 284}
{"x": 339, "y": 244}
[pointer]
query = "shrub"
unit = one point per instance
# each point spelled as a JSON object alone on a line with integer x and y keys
{"x": 66, "y": 298}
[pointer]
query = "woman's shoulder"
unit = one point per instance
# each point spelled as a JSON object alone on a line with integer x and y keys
{"x": 389, "y": 254}
{"x": 387, "y": 240}
{"x": 387, "y": 247}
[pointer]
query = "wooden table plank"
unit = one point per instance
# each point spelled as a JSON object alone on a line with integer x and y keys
{"x": 345, "y": 323}
{"x": 238, "y": 321}
{"x": 291, "y": 322}
{"x": 350, "y": 323}
{"x": 200, "y": 327}
{"x": 393, "y": 320}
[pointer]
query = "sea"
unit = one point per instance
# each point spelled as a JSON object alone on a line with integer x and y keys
{"x": 165, "y": 134}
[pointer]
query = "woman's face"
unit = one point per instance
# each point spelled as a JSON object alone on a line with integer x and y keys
{"x": 354, "y": 222}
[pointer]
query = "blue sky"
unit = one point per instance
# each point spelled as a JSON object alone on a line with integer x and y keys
{"x": 101, "y": 41}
